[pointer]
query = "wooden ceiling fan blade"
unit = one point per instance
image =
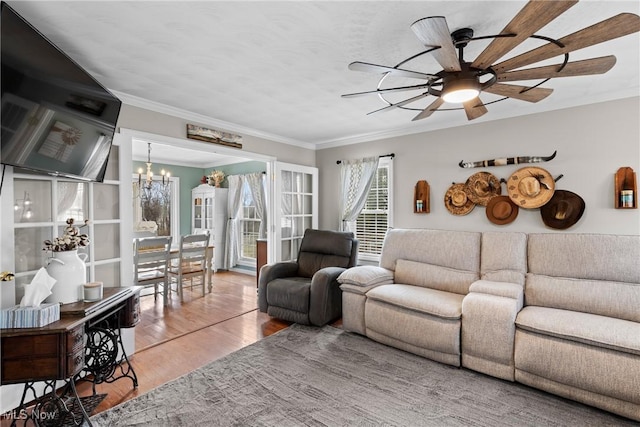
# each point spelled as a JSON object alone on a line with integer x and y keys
{"x": 519, "y": 92}
{"x": 399, "y": 104}
{"x": 381, "y": 69}
{"x": 532, "y": 17}
{"x": 577, "y": 68}
{"x": 609, "y": 29}
{"x": 434, "y": 32}
{"x": 429, "y": 110}
{"x": 474, "y": 108}
{"x": 389, "y": 90}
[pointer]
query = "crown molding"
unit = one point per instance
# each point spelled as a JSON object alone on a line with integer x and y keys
{"x": 136, "y": 101}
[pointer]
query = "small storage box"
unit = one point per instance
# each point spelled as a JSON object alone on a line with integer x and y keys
{"x": 29, "y": 317}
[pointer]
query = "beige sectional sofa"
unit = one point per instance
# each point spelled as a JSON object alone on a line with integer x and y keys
{"x": 556, "y": 311}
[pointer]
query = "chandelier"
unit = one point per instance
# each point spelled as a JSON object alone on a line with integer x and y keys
{"x": 149, "y": 175}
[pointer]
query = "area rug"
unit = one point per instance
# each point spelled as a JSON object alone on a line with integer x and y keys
{"x": 305, "y": 376}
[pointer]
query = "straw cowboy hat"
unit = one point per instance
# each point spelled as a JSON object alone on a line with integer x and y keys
{"x": 482, "y": 186}
{"x": 563, "y": 210}
{"x": 501, "y": 210}
{"x": 457, "y": 201}
{"x": 530, "y": 187}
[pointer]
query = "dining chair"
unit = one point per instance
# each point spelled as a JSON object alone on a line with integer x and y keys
{"x": 151, "y": 262}
{"x": 191, "y": 262}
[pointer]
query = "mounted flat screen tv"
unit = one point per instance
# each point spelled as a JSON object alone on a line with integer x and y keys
{"x": 56, "y": 118}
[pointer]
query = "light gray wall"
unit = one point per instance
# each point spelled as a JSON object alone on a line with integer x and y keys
{"x": 144, "y": 120}
{"x": 592, "y": 143}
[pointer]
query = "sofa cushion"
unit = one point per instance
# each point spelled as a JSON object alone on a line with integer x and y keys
{"x": 445, "y": 305}
{"x": 453, "y": 249}
{"x": 366, "y": 275}
{"x": 586, "y": 256}
{"x": 606, "y": 298}
{"x": 434, "y": 276}
{"x": 503, "y": 257}
{"x": 591, "y": 329}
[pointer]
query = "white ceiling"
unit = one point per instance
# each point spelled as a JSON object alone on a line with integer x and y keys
{"x": 277, "y": 69}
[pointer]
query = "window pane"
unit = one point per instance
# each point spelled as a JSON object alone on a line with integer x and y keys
{"x": 373, "y": 222}
{"x": 109, "y": 237}
{"x": 32, "y": 200}
{"x": 109, "y": 274}
{"x": 155, "y": 204}
{"x": 106, "y": 201}
{"x": 113, "y": 164}
{"x": 73, "y": 201}
{"x": 28, "y": 246}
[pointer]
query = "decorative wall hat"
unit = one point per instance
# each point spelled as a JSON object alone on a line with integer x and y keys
{"x": 457, "y": 201}
{"x": 563, "y": 210}
{"x": 501, "y": 210}
{"x": 530, "y": 187}
{"x": 482, "y": 187}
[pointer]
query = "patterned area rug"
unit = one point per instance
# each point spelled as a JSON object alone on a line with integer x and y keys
{"x": 304, "y": 376}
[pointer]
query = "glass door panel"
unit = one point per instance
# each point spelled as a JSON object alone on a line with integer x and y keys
{"x": 295, "y": 207}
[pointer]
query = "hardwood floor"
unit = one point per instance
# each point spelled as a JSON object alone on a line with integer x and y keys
{"x": 172, "y": 341}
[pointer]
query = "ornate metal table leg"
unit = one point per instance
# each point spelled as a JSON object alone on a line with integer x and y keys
{"x": 103, "y": 346}
{"x": 51, "y": 409}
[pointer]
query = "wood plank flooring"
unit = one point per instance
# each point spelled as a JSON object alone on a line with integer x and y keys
{"x": 172, "y": 341}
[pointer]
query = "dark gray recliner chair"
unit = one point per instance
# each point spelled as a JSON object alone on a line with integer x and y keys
{"x": 306, "y": 291}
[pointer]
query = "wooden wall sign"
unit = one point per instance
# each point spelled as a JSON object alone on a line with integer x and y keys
{"x": 215, "y": 136}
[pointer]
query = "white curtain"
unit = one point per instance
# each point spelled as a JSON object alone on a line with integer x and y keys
{"x": 356, "y": 177}
{"x": 255, "y": 181}
{"x": 232, "y": 247}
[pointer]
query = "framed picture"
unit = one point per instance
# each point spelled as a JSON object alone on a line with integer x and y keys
{"x": 215, "y": 136}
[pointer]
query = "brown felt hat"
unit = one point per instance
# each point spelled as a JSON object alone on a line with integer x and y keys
{"x": 482, "y": 187}
{"x": 501, "y": 210}
{"x": 530, "y": 187}
{"x": 457, "y": 201}
{"x": 563, "y": 210}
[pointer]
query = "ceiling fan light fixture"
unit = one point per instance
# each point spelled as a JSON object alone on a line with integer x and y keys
{"x": 458, "y": 91}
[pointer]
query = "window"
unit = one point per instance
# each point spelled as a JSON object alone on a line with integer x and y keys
{"x": 159, "y": 203}
{"x": 376, "y": 216}
{"x": 249, "y": 224}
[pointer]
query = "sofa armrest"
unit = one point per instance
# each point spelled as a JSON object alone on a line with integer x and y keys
{"x": 366, "y": 276}
{"x": 325, "y": 299}
{"x": 270, "y": 272}
{"x": 488, "y": 327}
{"x": 499, "y": 289}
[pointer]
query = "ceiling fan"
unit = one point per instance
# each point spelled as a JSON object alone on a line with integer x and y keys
{"x": 461, "y": 82}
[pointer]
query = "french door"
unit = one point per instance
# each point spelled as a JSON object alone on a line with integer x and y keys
{"x": 295, "y": 208}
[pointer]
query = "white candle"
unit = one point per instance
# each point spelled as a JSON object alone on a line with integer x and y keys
{"x": 92, "y": 291}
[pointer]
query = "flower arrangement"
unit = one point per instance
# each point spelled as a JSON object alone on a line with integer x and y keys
{"x": 70, "y": 240}
{"x": 216, "y": 177}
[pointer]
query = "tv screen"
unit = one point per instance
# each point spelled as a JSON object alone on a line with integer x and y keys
{"x": 56, "y": 118}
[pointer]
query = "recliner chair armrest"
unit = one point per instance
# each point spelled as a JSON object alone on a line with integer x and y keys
{"x": 270, "y": 272}
{"x": 325, "y": 302}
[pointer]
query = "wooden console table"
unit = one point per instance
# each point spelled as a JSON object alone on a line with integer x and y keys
{"x": 85, "y": 342}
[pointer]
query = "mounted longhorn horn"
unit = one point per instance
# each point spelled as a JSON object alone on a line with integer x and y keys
{"x": 506, "y": 161}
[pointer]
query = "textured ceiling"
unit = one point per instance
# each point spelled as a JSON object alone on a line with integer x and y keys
{"x": 277, "y": 69}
